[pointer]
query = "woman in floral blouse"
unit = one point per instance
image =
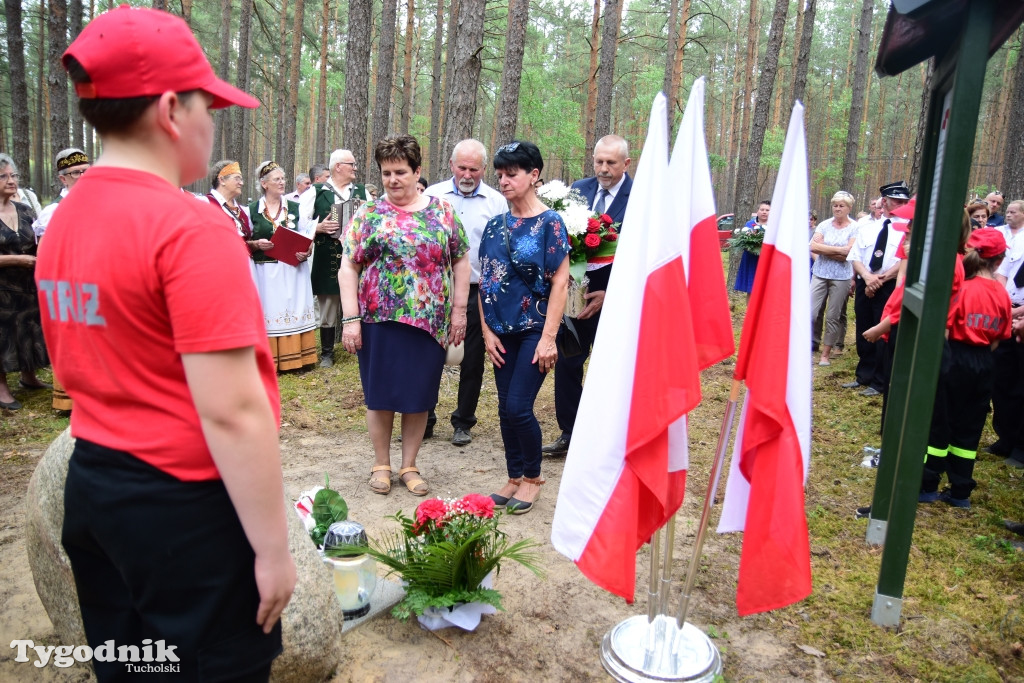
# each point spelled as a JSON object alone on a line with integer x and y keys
{"x": 404, "y": 286}
{"x": 524, "y": 272}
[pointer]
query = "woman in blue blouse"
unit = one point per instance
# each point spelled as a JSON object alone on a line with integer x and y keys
{"x": 524, "y": 271}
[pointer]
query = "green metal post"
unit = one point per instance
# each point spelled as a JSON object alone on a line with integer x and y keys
{"x": 937, "y": 224}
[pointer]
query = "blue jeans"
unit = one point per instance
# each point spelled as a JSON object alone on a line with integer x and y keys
{"x": 518, "y": 382}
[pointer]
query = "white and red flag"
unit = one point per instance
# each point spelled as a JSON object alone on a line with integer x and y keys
{"x": 764, "y": 496}
{"x": 626, "y": 469}
{"x": 695, "y": 215}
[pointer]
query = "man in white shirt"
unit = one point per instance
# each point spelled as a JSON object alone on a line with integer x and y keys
{"x": 1008, "y": 357}
{"x": 302, "y": 183}
{"x": 875, "y": 268}
{"x": 475, "y": 202}
{"x": 71, "y": 164}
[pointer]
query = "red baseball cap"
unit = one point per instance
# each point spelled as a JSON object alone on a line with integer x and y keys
{"x": 137, "y": 52}
{"x": 988, "y": 242}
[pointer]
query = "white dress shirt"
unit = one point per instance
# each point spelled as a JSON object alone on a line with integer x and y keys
{"x": 39, "y": 225}
{"x": 863, "y": 249}
{"x": 474, "y": 210}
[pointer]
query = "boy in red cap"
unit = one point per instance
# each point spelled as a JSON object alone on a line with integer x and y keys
{"x": 174, "y": 504}
{"x": 978, "y": 320}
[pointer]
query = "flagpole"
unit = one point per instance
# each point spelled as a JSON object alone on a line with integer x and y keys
{"x": 654, "y": 585}
{"x": 716, "y": 471}
{"x": 666, "y": 570}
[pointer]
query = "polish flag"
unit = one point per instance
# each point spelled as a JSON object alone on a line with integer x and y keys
{"x": 764, "y": 496}
{"x": 695, "y": 215}
{"x": 625, "y": 473}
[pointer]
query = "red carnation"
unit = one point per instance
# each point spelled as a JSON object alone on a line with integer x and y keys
{"x": 593, "y": 224}
{"x": 606, "y": 219}
{"x": 432, "y": 509}
{"x": 480, "y": 506}
{"x": 592, "y": 240}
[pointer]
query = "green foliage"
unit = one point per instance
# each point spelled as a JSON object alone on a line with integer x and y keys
{"x": 328, "y": 507}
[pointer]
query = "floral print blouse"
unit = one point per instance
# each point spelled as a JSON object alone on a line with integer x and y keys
{"x": 406, "y": 260}
{"x": 518, "y": 257}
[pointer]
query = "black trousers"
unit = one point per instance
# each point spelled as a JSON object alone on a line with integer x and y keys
{"x": 471, "y": 370}
{"x": 569, "y": 371}
{"x": 871, "y": 355}
{"x": 155, "y": 557}
{"x": 1008, "y": 395}
{"x": 961, "y": 406}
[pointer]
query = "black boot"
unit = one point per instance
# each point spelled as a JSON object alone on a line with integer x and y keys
{"x": 326, "y": 347}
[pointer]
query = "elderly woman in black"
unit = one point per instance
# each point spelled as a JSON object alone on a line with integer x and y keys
{"x": 21, "y": 335}
{"x": 524, "y": 273}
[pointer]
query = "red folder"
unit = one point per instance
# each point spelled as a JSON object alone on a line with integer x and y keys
{"x": 287, "y": 243}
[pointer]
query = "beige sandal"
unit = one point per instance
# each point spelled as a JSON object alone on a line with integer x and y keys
{"x": 415, "y": 483}
{"x": 378, "y": 485}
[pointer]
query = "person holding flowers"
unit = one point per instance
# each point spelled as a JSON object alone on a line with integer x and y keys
{"x": 748, "y": 239}
{"x": 524, "y": 272}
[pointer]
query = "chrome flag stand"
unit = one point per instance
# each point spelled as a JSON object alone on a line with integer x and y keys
{"x": 658, "y": 647}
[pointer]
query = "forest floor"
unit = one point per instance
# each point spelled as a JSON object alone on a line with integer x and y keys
{"x": 961, "y": 615}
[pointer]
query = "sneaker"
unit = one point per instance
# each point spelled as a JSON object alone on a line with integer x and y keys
{"x": 327, "y": 362}
{"x": 1014, "y": 462}
{"x": 863, "y": 512}
{"x": 999, "y": 447}
{"x": 851, "y": 385}
{"x": 927, "y": 496}
{"x": 871, "y": 391}
{"x": 964, "y": 503}
{"x": 461, "y": 437}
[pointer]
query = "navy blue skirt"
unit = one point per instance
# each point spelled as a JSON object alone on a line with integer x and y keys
{"x": 400, "y": 367}
{"x": 746, "y": 273}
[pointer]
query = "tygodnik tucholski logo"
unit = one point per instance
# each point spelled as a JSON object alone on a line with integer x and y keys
{"x": 150, "y": 657}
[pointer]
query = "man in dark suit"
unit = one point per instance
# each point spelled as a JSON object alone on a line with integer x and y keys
{"x": 607, "y": 192}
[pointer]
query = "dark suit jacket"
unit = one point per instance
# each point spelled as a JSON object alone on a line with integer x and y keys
{"x": 588, "y": 188}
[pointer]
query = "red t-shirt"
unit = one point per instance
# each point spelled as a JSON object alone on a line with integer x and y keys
{"x": 132, "y": 274}
{"x": 981, "y": 314}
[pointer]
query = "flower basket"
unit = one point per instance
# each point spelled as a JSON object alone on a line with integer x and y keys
{"x": 445, "y": 556}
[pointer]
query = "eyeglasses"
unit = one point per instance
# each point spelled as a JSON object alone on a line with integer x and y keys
{"x": 509, "y": 148}
{"x": 349, "y": 163}
{"x": 4, "y": 177}
{"x": 76, "y": 174}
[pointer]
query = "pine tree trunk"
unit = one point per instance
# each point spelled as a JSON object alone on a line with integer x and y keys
{"x": 21, "y": 147}
{"x": 747, "y": 181}
{"x": 922, "y": 124}
{"x": 385, "y": 71}
{"x": 357, "y": 77}
{"x": 454, "y": 9}
{"x": 512, "y": 74}
{"x": 670, "y": 63}
{"x": 223, "y": 117}
{"x": 677, "y": 64}
{"x": 460, "y": 101}
{"x": 240, "y": 142}
{"x": 292, "y": 113}
{"x": 410, "y": 27}
{"x": 860, "y": 80}
{"x": 57, "y": 80}
{"x": 606, "y": 72}
{"x": 186, "y": 11}
{"x": 1012, "y": 183}
{"x": 436, "y": 93}
{"x": 279, "y": 112}
{"x": 753, "y": 33}
{"x": 74, "y": 28}
{"x": 40, "y": 168}
{"x": 589, "y": 127}
{"x": 320, "y": 146}
{"x": 803, "y": 59}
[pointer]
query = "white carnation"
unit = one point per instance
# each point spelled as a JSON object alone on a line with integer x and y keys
{"x": 554, "y": 190}
{"x": 575, "y": 217}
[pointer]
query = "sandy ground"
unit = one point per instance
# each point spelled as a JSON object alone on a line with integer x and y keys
{"x": 551, "y": 629}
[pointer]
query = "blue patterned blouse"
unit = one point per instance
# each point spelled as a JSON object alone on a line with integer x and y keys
{"x": 518, "y": 257}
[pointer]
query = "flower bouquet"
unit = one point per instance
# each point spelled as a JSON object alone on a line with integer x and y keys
{"x": 592, "y": 237}
{"x": 446, "y": 554}
{"x": 747, "y": 239}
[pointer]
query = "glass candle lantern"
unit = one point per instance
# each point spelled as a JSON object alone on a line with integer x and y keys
{"x": 354, "y": 573}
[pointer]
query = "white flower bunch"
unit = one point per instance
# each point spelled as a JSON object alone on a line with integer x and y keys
{"x": 575, "y": 216}
{"x": 553, "y": 191}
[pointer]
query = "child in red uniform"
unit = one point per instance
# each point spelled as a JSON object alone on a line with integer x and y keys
{"x": 174, "y": 504}
{"x": 978, "y": 321}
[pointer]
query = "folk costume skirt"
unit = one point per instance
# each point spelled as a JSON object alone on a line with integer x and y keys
{"x": 399, "y": 367}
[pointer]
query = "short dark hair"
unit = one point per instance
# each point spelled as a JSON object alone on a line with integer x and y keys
{"x": 111, "y": 115}
{"x": 518, "y": 154}
{"x": 764, "y": 201}
{"x": 424, "y": 182}
{"x": 317, "y": 169}
{"x": 399, "y": 148}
